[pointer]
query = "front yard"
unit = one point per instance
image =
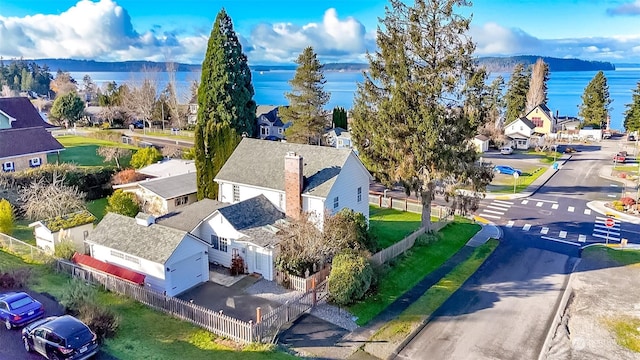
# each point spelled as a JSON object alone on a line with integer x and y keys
{"x": 145, "y": 333}
{"x": 503, "y": 183}
{"x": 390, "y": 226}
{"x": 82, "y": 151}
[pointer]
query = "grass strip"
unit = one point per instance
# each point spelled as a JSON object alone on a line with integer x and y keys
{"x": 627, "y": 332}
{"x": 390, "y": 226}
{"x": 406, "y": 271}
{"x": 604, "y": 253}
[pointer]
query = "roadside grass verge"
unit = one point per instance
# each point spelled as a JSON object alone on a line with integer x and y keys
{"x": 145, "y": 333}
{"x": 626, "y": 168}
{"x": 604, "y": 253}
{"x": 406, "y": 271}
{"x": 546, "y": 157}
{"x": 182, "y": 135}
{"x": 626, "y": 330}
{"x": 420, "y": 310}
{"x": 82, "y": 151}
{"x": 97, "y": 207}
{"x": 390, "y": 226}
{"x": 503, "y": 184}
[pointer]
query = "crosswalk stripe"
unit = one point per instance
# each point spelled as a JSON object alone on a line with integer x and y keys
{"x": 587, "y": 211}
{"x": 602, "y": 226}
{"x": 510, "y": 224}
{"x": 490, "y": 216}
{"x": 544, "y": 230}
{"x": 611, "y": 232}
{"x": 503, "y": 208}
{"x": 613, "y": 185}
{"x": 539, "y": 204}
{"x": 524, "y": 202}
{"x": 503, "y": 202}
{"x": 582, "y": 238}
{"x": 612, "y": 195}
{"x": 571, "y": 209}
{"x": 494, "y": 212}
{"x": 605, "y": 236}
{"x": 554, "y": 206}
{"x": 605, "y": 218}
{"x": 562, "y": 235}
{"x": 526, "y": 227}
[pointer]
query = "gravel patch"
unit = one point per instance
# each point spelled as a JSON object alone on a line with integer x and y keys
{"x": 271, "y": 291}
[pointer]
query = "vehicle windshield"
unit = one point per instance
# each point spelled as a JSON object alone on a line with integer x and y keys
{"x": 20, "y": 303}
{"x": 79, "y": 338}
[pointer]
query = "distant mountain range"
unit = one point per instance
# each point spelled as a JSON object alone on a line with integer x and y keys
{"x": 493, "y": 64}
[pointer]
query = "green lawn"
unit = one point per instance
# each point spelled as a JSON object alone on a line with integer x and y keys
{"x": 410, "y": 269}
{"x": 626, "y": 168}
{"x": 435, "y": 296}
{"x": 503, "y": 183}
{"x": 546, "y": 157}
{"x": 82, "y": 151}
{"x": 621, "y": 257}
{"x": 145, "y": 333}
{"x": 22, "y": 231}
{"x": 390, "y": 226}
{"x": 97, "y": 207}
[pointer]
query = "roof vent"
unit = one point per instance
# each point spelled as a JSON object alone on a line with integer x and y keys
{"x": 143, "y": 219}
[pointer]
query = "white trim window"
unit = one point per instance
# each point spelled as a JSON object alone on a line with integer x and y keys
{"x": 236, "y": 193}
{"x": 8, "y": 166}
{"x": 360, "y": 194}
{"x": 182, "y": 200}
{"x": 336, "y": 202}
{"x": 35, "y": 162}
{"x": 264, "y": 130}
{"x": 280, "y": 131}
{"x": 219, "y": 243}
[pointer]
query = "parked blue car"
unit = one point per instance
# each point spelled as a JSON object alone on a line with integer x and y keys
{"x": 508, "y": 170}
{"x": 18, "y": 308}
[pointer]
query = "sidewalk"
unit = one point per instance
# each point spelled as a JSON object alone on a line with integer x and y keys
{"x": 605, "y": 173}
{"x": 600, "y": 208}
{"x": 346, "y": 347}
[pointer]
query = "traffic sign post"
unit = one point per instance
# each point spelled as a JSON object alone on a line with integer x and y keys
{"x": 609, "y": 224}
{"x": 515, "y": 180}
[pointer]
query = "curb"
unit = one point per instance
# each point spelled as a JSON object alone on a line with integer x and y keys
{"x": 602, "y": 210}
{"x": 557, "y": 319}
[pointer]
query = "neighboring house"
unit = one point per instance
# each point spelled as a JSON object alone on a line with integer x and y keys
{"x": 339, "y": 138}
{"x": 543, "y": 119}
{"x": 481, "y": 143}
{"x": 269, "y": 124}
{"x": 192, "y": 111}
{"x": 296, "y": 178}
{"x": 245, "y": 230}
{"x": 169, "y": 167}
{"x": 75, "y": 227}
{"x": 165, "y": 194}
{"x": 568, "y": 124}
{"x": 520, "y": 133}
{"x": 25, "y": 138}
{"x": 172, "y": 261}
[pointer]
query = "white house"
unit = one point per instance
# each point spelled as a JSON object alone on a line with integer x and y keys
{"x": 296, "y": 178}
{"x": 169, "y": 167}
{"x": 245, "y": 230}
{"x": 172, "y": 260}
{"x": 75, "y": 227}
{"x": 339, "y": 138}
{"x": 481, "y": 143}
{"x": 165, "y": 194}
{"x": 520, "y": 132}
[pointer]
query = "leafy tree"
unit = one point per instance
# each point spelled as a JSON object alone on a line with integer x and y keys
{"x": 114, "y": 153}
{"x": 225, "y": 104}
{"x": 594, "y": 109}
{"x": 421, "y": 103}
{"x": 340, "y": 117}
{"x": 306, "y": 101}
{"x": 7, "y": 217}
{"x": 350, "y": 278}
{"x": 123, "y": 203}
{"x": 68, "y": 108}
{"x": 145, "y": 156}
{"x": 348, "y": 229}
{"x": 632, "y": 114}
{"x": 537, "y": 93}
{"x": 516, "y": 96}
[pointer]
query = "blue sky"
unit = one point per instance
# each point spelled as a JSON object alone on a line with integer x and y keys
{"x": 276, "y": 31}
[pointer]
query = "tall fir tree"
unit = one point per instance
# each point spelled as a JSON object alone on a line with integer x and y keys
{"x": 632, "y": 114}
{"x": 537, "y": 93}
{"x": 516, "y": 96}
{"x": 339, "y": 116}
{"x": 421, "y": 102}
{"x": 595, "y": 102}
{"x": 225, "y": 99}
{"x": 306, "y": 101}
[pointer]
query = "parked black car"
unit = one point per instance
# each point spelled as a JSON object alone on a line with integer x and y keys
{"x": 60, "y": 337}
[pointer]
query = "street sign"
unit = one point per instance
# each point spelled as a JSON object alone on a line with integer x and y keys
{"x": 609, "y": 222}
{"x": 516, "y": 175}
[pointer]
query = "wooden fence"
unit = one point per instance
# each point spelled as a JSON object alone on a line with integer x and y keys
{"x": 378, "y": 199}
{"x": 302, "y": 284}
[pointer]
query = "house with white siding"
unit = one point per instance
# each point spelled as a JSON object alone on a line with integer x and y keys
{"x": 163, "y": 195}
{"x": 296, "y": 178}
{"x": 74, "y": 227}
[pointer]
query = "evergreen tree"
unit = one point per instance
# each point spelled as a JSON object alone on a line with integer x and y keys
{"x": 339, "y": 116}
{"x": 537, "y": 93}
{"x": 306, "y": 101}
{"x": 68, "y": 108}
{"x": 421, "y": 103}
{"x": 632, "y": 114}
{"x": 595, "y": 102}
{"x": 516, "y": 96}
{"x": 225, "y": 99}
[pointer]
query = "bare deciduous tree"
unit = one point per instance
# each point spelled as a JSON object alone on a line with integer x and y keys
{"x": 110, "y": 153}
{"x": 538, "y": 85}
{"x": 142, "y": 96}
{"x": 46, "y": 200}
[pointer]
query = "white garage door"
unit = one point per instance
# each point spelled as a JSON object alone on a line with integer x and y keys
{"x": 186, "y": 274}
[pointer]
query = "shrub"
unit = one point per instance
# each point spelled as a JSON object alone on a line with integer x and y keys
{"x": 76, "y": 294}
{"x": 65, "y": 249}
{"x": 101, "y": 320}
{"x": 123, "y": 203}
{"x": 189, "y": 154}
{"x": 619, "y": 207}
{"x": 616, "y": 203}
{"x": 146, "y": 156}
{"x": 350, "y": 278}
{"x": 108, "y": 135}
{"x": 15, "y": 279}
{"x": 627, "y": 201}
{"x": 7, "y": 217}
{"x": 127, "y": 176}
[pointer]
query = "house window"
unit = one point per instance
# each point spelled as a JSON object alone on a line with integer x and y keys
{"x": 537, "y": 121}
{"x": 35, "y": 162}
{"x": 8, "y": 166}
{"x": 219, "y": 243}
{"x": 336, "y": 202}
{"x": 281, "y": 200}
{"x": 360, "y": 194}
{"x": 264, "y": 130}
{"x": 214, "y": 242}
{"x": 182, "y": 200}
{"x": 236, "y": 193}
{"x": 340, "y": 142}
{"x": 123, "y": 256}
{"x": 280, "y": 131}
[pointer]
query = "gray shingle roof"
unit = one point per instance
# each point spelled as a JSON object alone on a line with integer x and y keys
{"x": 251, "y": 213}
{"x": 260, "y": 236}
{"x": 188, "y": 217}
{"x": 23, "y": 141}
{"x": 172, "y": 186}
{"x": 261, "y": 163}
{"x": 155, "y": 242}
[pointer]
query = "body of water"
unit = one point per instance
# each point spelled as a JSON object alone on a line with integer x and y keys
{"x": 564, "y": 88}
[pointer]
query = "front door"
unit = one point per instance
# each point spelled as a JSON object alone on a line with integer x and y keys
{"x": 39, "y": 342}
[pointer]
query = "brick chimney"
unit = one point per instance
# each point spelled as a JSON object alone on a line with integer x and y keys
{"x": 293, "y": 182}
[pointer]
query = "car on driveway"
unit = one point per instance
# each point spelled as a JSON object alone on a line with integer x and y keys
{"x": 507, "y": 150}
{"x": 619, "y": 158}
{"x": 18, "y": 308}
{"x": 507, "y": 170}
{"x": 60, "y": 337}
